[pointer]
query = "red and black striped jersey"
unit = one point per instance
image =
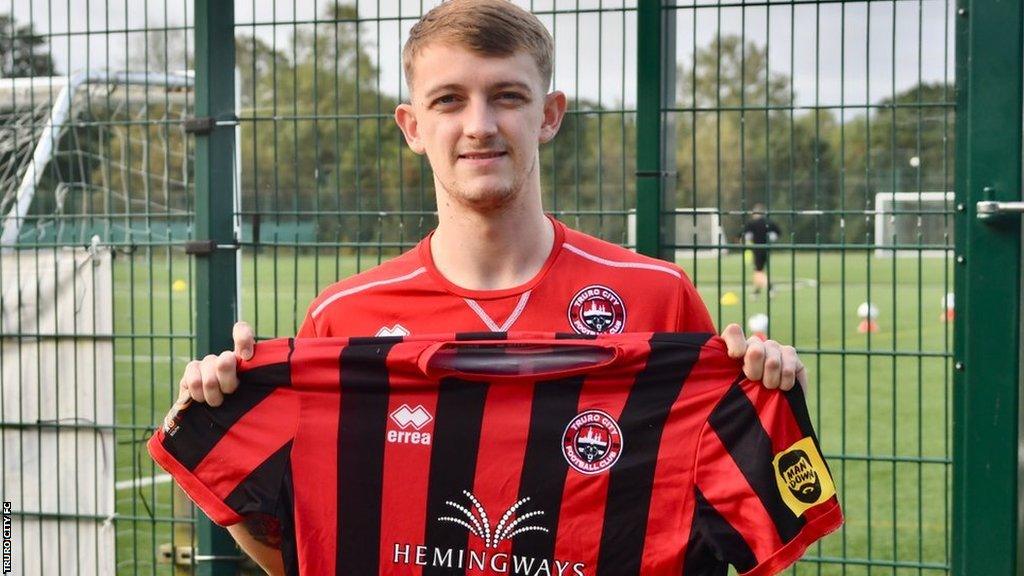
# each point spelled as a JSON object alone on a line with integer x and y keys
{"x": 521, "y": 454}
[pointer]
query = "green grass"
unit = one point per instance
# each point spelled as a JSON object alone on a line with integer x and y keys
{"x": 881, "y": 402}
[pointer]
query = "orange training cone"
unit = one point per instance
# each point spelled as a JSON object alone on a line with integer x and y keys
{"x": 948, "y": 313}
{"x": 867, "y": 312}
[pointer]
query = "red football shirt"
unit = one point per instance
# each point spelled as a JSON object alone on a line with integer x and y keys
{"x": 586, "y": 286}
{"x": 539, "y": 454}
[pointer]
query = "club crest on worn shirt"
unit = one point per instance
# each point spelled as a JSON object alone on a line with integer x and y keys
{"x": 592, "y": 442}
{"x": 803, "y": 478}
{"x": 597, "y": 309}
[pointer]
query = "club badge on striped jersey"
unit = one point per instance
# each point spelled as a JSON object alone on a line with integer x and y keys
{"x": 802, "y": 477}
{"x": 592, "y": 442}
{"x": 597, "y": 309}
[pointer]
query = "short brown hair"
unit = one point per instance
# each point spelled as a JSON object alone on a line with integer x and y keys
{"x": 487, "y": 27}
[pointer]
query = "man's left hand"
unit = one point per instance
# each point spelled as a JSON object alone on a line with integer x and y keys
{"x": 775, "y": 365}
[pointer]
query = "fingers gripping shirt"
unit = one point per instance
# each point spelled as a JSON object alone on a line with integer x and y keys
{"x": 511, "y": 454}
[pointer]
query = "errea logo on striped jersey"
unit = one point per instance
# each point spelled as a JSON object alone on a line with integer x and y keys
{"x": 410, "y": 423}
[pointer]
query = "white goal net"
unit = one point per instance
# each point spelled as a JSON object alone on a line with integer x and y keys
{"x": 94, "y": 153}
{"x": 912, "y": 223}
{"x": 698, "y": 232}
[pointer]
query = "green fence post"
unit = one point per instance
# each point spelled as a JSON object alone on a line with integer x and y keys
{"x": 988, "y": 272}
{"x": 216, "y": 270}
{"x": 648, "y": 126}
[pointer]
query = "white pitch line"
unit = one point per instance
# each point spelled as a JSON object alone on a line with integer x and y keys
{"x": 151, "y": 359}
{"x": 778, "y": 286}
{"x": 142, "y": 482}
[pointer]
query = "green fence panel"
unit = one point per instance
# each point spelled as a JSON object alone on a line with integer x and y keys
{"x": 988, "y": 275}
{"x": 96, "y": 203}
{"x": 215, "y": 263}
{"x": 838, "y": 118}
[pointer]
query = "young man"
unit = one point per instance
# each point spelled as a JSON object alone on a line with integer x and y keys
{"x": 478, "y": 73}
{"x": 760, "y": 231}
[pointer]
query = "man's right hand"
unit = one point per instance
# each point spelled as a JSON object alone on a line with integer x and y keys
{"x": 209, "y": 379}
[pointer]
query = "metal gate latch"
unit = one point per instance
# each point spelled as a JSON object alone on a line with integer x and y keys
{"x": 206, "y": 247}
{"x": 989, "y": 209}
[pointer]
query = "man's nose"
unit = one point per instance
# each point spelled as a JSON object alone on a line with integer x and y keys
{"x": 480, "y": 120}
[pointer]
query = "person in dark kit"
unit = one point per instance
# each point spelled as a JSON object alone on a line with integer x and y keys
{"x": 759, "y": 230}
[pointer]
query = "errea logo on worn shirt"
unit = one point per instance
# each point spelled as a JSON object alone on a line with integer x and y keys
{"x": 396, "y": 330}
{"x": 410, "y": 423}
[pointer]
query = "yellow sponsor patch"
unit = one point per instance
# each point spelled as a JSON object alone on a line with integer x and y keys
{"x": 803, "y": 479}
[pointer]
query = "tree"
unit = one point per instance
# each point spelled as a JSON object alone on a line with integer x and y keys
{"x": 332, "y": 148}
{"x": 23, "y": 52}
{"x": 164, "y": 51}
{"x": 881, "y": 147}
{"x": 588, "y": 169}
{"x": 740, "y": 143}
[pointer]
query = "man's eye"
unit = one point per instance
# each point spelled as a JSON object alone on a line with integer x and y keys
{"x": 511, "y": 96}
{"x": 443, "y": 100}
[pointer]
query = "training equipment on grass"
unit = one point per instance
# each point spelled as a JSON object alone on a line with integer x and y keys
{"x": 729, "y": 299}
{"x": 758, "y": 324}
{"x": 948, "y": 313}
{"x": 868, "y": 313}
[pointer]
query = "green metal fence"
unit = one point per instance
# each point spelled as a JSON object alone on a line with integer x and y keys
{"x": 837, "y": 116}
{"x": 97, "y": 201}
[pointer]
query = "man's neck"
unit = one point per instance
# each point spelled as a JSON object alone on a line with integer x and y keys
{"x": 492, "y": 251}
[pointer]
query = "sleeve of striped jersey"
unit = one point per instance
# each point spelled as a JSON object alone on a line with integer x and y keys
{"x": 762, "y": 490}
{"x": 231, "y": 460}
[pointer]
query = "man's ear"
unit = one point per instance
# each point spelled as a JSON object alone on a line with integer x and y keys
{"x": 554, "y": 111}
{"x": 405, "y": 117}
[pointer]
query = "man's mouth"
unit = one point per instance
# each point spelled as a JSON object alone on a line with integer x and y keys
{"x": 484, "y": 155}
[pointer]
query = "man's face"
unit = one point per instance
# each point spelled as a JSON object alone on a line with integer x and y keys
{"x": 480, "y": 121}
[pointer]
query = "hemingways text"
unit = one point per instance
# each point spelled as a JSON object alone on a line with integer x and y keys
{"x": 497, "y": 562}
{"x": 7, "y": 538}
